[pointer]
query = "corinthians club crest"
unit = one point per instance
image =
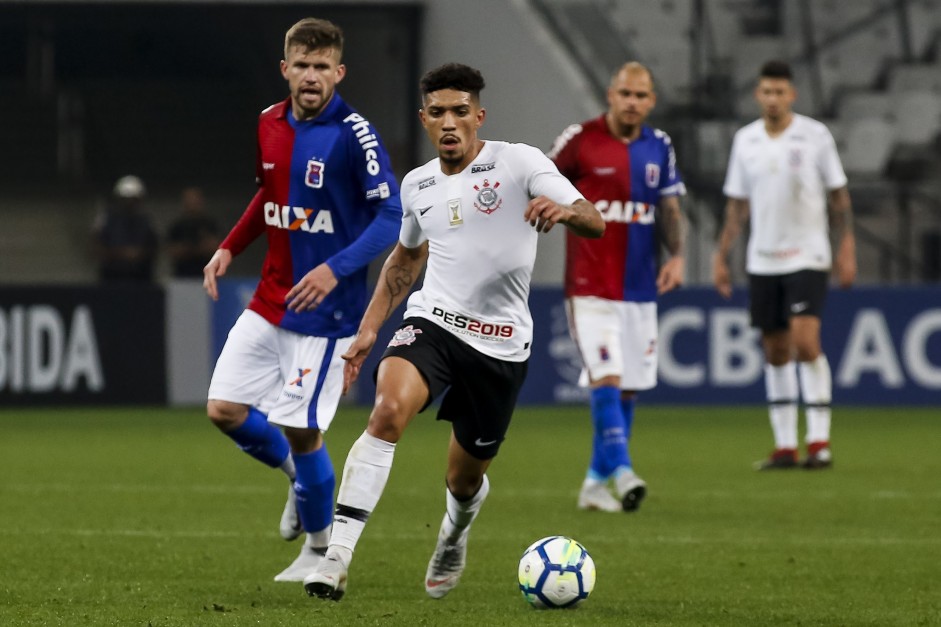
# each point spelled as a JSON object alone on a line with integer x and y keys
{"x": 404, "y": 336}
{"x": 488, "y": 200}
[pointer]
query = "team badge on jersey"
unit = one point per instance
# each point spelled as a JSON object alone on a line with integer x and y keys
{"x": 652, "y": 175}
{"x": 455, "y": 216}
{"x": 795, "y": 158}
{"x": 404, "y": 336}
{"x": 488, "y": 200}
{"x": 314, "y": 176}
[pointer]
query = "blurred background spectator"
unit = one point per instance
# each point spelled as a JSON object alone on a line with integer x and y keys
{"x": 125, "y": 243}
{"x": 193, "y": 236}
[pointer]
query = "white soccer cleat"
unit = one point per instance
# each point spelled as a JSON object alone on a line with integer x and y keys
{"x": 595, "y": 497}
{"x": 290, "y": 526}
{"x": 303, "y": 565}
{"x": 328, "y": 581}
{"x": 631, "y": 490}
{"x": 446, "y": 565}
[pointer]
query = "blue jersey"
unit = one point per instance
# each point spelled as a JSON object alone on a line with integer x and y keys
{"x": 327, "y": 194}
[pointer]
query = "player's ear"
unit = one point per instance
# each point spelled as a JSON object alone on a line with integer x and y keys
{"x": 341, "y": 72}
{"x": 284, "y": 69}
{"x": 481, "y": 114}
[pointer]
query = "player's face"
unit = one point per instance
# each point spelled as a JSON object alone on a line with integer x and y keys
{"x": 631, "y": 98}
{"x": 451, "y": 119}
{"x": 312, "y": 76}
{"x": 775, "y": 97}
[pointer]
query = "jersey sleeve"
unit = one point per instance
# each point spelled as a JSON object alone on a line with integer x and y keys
{"x": 542, "y": 177}
{"x": 411, "y": 234}
{"x": 564, "y": 151}
{"x": 370, "y": 161}
{"x": 671, "y": 184}
{"x": 831, "y": 169}
{"x": 736, "y": 183}
{"x": 248, "y": 228}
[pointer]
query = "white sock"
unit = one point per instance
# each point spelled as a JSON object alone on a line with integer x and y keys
{"x": 319, "y": 539}
{"x": 287, "y": 467}
{"x": 460, "y": 514}
{"x": 364, "y": 478}
{"x": 816, "y": 389}
{"x": 781, "y": 392}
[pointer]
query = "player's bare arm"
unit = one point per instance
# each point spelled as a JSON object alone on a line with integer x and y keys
{"x": 399, "y": 273}
{"x": 215, "y": 268}
{"x": 736, "y": 215}
{"x": 581, "y": 217}
{"x": 311, "y": 289}
{"x": 841, "y": 226}
{"x": 673, "y": 234}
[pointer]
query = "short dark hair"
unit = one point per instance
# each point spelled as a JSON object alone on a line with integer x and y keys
{"x": 314, "y": 34}
{"x": 452, "y": 76}
{"x": 776, "y": 69}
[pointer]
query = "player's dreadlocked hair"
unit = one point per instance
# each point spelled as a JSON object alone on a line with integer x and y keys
{"x": 453, "y": 76}
{"x": 314, "y": 34}
{"x": 776, "y": 69}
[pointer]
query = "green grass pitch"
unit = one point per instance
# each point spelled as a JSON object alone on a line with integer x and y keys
{"x": 151, "y": 517}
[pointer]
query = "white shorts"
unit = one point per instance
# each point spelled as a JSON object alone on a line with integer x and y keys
{"x": 615, "y": 338}
{"x": 295, "y": 379}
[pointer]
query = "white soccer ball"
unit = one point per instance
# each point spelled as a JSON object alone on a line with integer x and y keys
{"x": 556, "y": 572}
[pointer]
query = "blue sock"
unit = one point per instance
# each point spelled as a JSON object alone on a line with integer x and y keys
{"x": 314, "y": 489}
{"x": 609, "y": 445}
{"x": 627, "y": 410}
{"x": 261, "y": 439}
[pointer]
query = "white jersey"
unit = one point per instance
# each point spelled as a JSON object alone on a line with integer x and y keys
{"x": 480, "y": 249}
{"x": 785, "y": 179}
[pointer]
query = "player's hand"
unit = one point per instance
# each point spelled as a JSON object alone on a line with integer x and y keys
{"x": 311, "y": 289}
{"x": 543, "y": 213}
{"x": 671, "y": 275}
{"x": 215, "y": 268}
{"x": 355, "y": 356}
{"x": 721, "y": 277}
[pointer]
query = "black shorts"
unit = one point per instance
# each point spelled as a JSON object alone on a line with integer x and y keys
{"x": 479, "y": 391}
{"x": 775, "y": 298}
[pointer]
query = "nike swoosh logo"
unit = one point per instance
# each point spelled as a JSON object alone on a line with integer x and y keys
{"x": 798, "y": 307}
{"x": 480, "y": 442}
{"x": 434, "y": 583}
{"x": 424, "y": 210}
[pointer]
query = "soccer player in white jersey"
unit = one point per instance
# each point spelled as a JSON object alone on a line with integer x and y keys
{"x": 783, "y": 174}
{"x": 474, "y": 214}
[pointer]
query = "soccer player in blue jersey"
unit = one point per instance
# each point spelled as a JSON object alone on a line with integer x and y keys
{"x": 328, "y": 203}
{"x": 628, "y": 169}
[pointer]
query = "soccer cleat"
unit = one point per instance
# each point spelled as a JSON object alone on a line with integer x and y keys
{"x": 631, "y": 490}
{"x": 595, "y": 497}
{"x": 818, "y": 456}
{"x": 303, "y": 565}
{"x": 446, "y": 565}
{"x": 780, "y": 459}
{"x": 328, "y": 581}
{"x": 290, "y": 526}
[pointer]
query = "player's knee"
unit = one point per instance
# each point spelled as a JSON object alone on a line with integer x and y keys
{"x": 226, "y": 416}
{"x": 464, "y": 483}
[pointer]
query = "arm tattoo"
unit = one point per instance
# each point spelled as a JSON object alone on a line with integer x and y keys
{"x": 398, "y": 279}
{"x": 672, "y": 226}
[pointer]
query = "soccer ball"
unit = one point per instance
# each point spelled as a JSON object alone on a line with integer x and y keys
{"x": 556, "y": 572}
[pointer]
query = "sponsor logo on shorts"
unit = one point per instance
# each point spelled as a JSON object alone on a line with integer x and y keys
{"x": 301, "y": 373}
{"x": 479, "y": 442}
{"x": 603, "y": 353}
{"x": 465, "y": 325}
{"x": 404, "y": 336}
